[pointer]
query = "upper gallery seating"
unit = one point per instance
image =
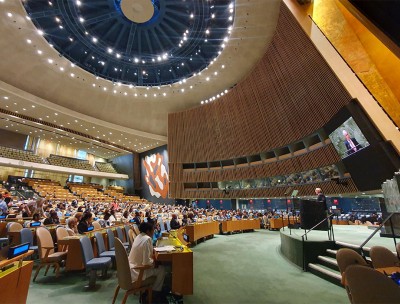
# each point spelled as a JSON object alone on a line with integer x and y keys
{"x": 21, "y": 155}
{"x": 105, "y": 167}
{"x": 51, "y": 190}
{"x": 87, "y": 191}
{"x": 62, "y": 161}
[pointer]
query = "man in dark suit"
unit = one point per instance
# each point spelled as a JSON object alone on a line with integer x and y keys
{"x": 321, "y": 197}
{"x": 351, "y": 144}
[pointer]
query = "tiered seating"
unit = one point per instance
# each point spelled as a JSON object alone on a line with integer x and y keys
{"x": 114, "y": 194}
{"x": 69, "y": 162}
{"x": 105, "y": 167}
{"x": 21, "y": 155}
{"x": 51, "y": 190}
{"x": 87, "y": 191}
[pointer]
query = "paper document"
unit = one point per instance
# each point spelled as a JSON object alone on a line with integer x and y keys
{"x": 164, "y": 248}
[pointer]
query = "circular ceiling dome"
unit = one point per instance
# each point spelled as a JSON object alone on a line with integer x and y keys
{"x": 138, "y": 11}
{"x": 139, "y": 42}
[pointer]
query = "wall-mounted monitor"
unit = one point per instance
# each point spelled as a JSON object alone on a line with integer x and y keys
{"x": 348, "y": 138}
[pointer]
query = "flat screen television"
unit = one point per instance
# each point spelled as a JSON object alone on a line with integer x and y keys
{"x": 348, "y": 138}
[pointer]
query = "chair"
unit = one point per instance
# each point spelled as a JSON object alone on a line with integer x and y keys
{"x": 126, "y": 229}
{"x": 367, "y": 285}
{"x": 91, "y": 263}
{"x": 110, "y": 236}
{"x": 124, "y": 276}
{"x": 61, "y": 233}
{"x": 101, "y": 247}
{"x": 26, "y": 237}
{"x": 382, "y": 257}
{"x": 346, "y": 257}
{"x": 46, "y": 252}
{"x": 131, "y": 237}
{"x": 121, "y": 236}
{"x": 398, "y": 249}
{"x": 136, "y": 229}
{"x": 96, "y": 225}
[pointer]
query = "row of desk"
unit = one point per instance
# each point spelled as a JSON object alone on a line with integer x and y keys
{"x": 208, "y": 229}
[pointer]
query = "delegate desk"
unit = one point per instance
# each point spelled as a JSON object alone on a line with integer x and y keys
{"x": 15, "y": 281}
{"x": 74, "y": 259}
{"x": 182, "y": 265}
{"x": 240, "y": 225}
{"x": 201, "y": 230}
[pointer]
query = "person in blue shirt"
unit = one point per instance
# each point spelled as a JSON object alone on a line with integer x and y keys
{"x": 3, "y": 205}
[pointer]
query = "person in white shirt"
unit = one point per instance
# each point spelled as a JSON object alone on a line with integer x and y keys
{"x": 142, "y": 254}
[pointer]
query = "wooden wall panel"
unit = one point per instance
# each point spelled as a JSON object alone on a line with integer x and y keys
{"x": 290, "y": 93}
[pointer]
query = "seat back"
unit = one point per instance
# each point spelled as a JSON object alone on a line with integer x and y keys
{"x": 126, "y": 229}
{"x": 61, "y": 233}
{"x": 131, "y": 237}
{"x": 398, "y": 249}
{"x": 44, "y": 239}
{"x": 367, "y": 285}
{"x": 96, "y": 225}
{"x": 136, "y": 229}
{"x": 123, "y": 268}
{"x": 161, "y": 222}
{"x": 110, "y": 236}
{"x": 346, "y": 257}
{"x": 120, "y": 234}
{"x": 26, "y": 236}
{"x": 87, "y": 250}
{"x": 101, "y": 247}
{"x": 383, "y": 257}
{"x": 15, "y": 227}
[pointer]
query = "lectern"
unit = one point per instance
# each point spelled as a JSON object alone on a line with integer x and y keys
{"x": 311, "y": 213}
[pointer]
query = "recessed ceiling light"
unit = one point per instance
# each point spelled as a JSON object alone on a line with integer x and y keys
{"x": 33, "y": 106}
{"x": 5, "y": 97}
{"x": 50, "y": 60}
{"x": 9, "y": 14}
{"x": 81, "y": 19}
{"x": 40, "y": 32}
{"x": 29, "y": 41}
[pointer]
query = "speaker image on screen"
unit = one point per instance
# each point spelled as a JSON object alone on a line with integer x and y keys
{"x": 311, "y": 213}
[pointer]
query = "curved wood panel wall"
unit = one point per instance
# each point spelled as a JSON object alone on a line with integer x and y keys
{"x": 292, "y": 92}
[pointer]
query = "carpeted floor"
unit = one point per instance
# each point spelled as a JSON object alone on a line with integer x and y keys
{"x": 239, "y": 268}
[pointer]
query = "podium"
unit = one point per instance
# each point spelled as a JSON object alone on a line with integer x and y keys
{"x": 311, "y": 213}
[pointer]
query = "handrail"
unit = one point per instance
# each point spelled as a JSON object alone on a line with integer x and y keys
{"x": 330, "y": 235}
{"x": 389, "y": 218}
{"x": 305, "y": 234}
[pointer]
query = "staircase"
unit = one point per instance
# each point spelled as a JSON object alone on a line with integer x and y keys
{"x": 326, "y": 266}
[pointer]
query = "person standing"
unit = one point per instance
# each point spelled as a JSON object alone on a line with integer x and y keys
{"x": 321, "y": 197}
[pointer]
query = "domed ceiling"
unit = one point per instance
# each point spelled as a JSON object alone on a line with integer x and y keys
{"x": 138, "y": 42}
{"x": 71, "y": 64}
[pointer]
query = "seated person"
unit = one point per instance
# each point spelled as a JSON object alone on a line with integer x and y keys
{"x": 35, "y": 219}
{"x": 142, "y": 254}
{"x": 72, "y": 226}
{"x": 137, "y": 218}
{"x": 85, "y": 222}
{"x": 174, "y": 222}
{"x": 52, "y": 219}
